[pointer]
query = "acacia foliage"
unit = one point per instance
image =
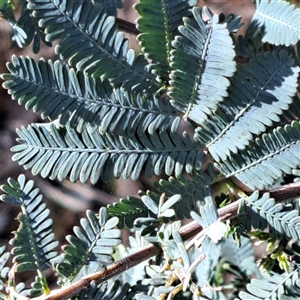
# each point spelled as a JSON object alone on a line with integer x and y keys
{"x": 115, "y": 113}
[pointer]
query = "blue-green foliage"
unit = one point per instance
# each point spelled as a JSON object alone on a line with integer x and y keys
{"x": 127, "y": 210}
{"x": 156, "y": 41}
{"x": 116, "y": 290}
{"x": 91, "y": 248}
{"x": 93, "y": 43}
{"x": 136, "y": 130}
{"x": 25, "y": 30}
{"x": 266, "y": 159}
{"x": 263, "y": 213}
{"x": 110, "y": 6}
{"x": 280, "y": 22}
{"x": 58, "y": 91}
{"x": 275, "y": 286}
{"x": 258, "y": 95}
{"x": 241, "y": 256}
{"x": 184, "y": 109}
{"x": 191, "y": 190}
{"x": 50, "y": 151}
{"x": 197, "y": 91}
{"x": 4, "y": 257}
{"x": 33, "y": 244}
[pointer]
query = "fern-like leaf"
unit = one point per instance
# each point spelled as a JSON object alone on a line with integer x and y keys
{"x": 262, "y": 213}
{"x": 26, "y": 30}
{"x": 267, "y": 159}
{"x": 110, "y": 6}
{"x": 90, "y": 40}
{"x": 58, "y": 152}
{"x": 127, "y": 210}
{"x": 258, "y": 96}
{"x": 280, "y": 22}
{"x": 33, "y": 241}
{"x": 113, "y": 291}
{"x": 59, "y": 92}
{"x": 203, "y": 60}
{"x": 274, "y": 286}
{"x": 92, "y": 247}
{"x": 158, "y": 23}
{"x": 4, "y": 256}
{"x": 159, "y": 209}
{"x": 233, "y": 22}
{"x": 240, "y": 256}
{"x": 293, "y": 113}
{"x": 208, "y": 219}
{"x": 18, "y": 35}
{"x": 206, "y": 270}
{"x": 191, "y": 190}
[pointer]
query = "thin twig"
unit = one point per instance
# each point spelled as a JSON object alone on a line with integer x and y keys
{"x": 127, "y": 26}
{"x": 101, "y": 276}
{"x": 284, "y": 193}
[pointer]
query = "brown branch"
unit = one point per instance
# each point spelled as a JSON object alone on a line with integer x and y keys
{"x": 127, "y": 26}
{"x": 284, "y": 193}
{"x": 280, "y": 194}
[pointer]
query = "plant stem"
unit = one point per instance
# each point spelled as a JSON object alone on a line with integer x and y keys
{"x": 127, "y": 26}
{"x": 284, "y": 193}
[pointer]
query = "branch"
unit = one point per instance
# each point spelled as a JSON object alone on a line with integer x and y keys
{"x": 284, "y": 193}
{"x": 280, "y": 194}
{"x": 127, "y": 26}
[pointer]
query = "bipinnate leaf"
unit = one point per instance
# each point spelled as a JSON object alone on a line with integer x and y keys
{"x": 279, "y": 20}
{"x": 59, "y": 92}
{"x": 34, "y": 245}
{"x": 158, "y": 23}
{"x": 90, "y": 41}
{"x": 58, "y": 152}
{"x": 273, "y": 286}
{"x": 258, "y": 95}
{"x": 266, "y": 159}
{"x": 282, "y": 220}
{"x": 208, "y": 47}
{"x": 91, "y": 248}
